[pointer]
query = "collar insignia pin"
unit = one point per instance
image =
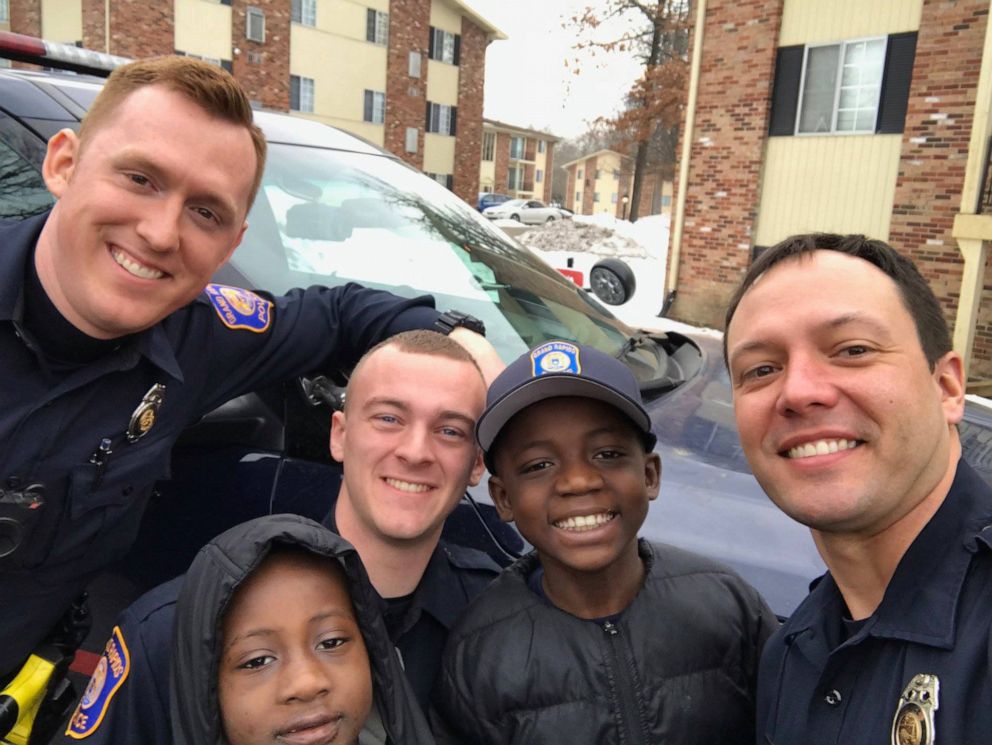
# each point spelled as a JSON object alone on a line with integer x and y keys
{"x": 913, "y": 723}
{"x": 144, "y": 416}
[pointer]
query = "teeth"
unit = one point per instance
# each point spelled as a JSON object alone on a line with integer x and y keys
{"x": 585, "y": 522}
{"x": 407, "y": 486}
{"x": 820, "y": 447}
{"x": 135, "y": 268}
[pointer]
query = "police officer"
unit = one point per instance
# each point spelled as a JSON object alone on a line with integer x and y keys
{"x": 406, "y": 439}
{"x": 847, "y": 396}
{"x": 109, "y": 343}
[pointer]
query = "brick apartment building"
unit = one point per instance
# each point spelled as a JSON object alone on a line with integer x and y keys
{"x": 601, "y": 183}
{"x": 516, "y": 161}
{"x": 837, "y": 115}
{"x": 405, "y": 74}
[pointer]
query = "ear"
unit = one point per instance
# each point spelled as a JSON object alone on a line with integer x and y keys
{"x": 948, "y": 374}
{"x": 497, "y": 493}
{"x": 652, "y": 475}
{"x": 338, "y": 421}
{"x": 478, "y": 467}
{"x": 237, "y": 241}
{"x": 60, "y": 161}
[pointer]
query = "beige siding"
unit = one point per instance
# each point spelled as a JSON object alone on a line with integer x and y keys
{"x": 439, "y": 153}
{"x": 487, "y": 175}
{"x": 445, "y": 16}
{"x": 342, "y": 64}
{"x": 818, "y": 21}
{"x": 62, "y": 20}
{"x": 203, "y": 27}
{"x": 606, "y": 185}
{"x": 442, "y": 83}
{"x": 346, "y": 17}
{"x": 835, "y": 184}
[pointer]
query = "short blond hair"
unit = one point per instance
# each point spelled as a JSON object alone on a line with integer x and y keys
{"x": 211, "y": 88}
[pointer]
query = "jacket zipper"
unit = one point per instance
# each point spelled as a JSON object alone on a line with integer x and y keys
{"x": 624, "y": 693}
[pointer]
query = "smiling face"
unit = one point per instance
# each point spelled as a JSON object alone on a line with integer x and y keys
{"x": 574, "y": 477}
{"x": 294, "y": 669}
{"x": 406, "y": 441}
{"x": 148, "y": 208}
{"x": 842, "y": 420}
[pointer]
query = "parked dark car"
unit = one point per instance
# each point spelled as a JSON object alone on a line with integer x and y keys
{"x": 332, "y": 209}
{"x": 490, "y": 199}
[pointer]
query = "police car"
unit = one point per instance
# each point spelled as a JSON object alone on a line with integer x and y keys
{"x": 332, "y": 209}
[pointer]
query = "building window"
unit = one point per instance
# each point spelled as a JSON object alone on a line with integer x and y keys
{"x": 514, "y": 178}
{"x": 377, "y": 27}
{"x": 616, "y": 175}
{"x": 444, "y": 46}
{"x": 613, "y": 197}
{"x": 441, "y": 118}
{"x": 578, "y": 197}
{"x": 488, "y": 145}
{"x": 595, "y": 196}
{"x": 517, "y": 148}
{"x": 413, "y": 64}
{"x": 4, "y": 11}
{"x": 541, "y": 146}
{"x": 445, "y": 179}
{"x": 860, "y": 85}
{"x": 375, "y": 107}
{"x": 841, "y": 86}
{"x": 580, "y": 174}
{"x": 666, "y": 201}
{"x": 538, "y": 176}
{"x": 305, "y": 12}
{"x": 255, "y": 24}
{"x": 411, "y": 139}
{"x": 300, "y": 94}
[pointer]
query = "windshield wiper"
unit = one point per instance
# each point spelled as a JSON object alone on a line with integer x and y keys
{"x": 654, "y": 385}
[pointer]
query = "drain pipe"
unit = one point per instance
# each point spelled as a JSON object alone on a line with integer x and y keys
{"x": 687, "y": 136}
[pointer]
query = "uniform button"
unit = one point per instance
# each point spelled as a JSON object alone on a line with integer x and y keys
{"x": 833, "y": 697}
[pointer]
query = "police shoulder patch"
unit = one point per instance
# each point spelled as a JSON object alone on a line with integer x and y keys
{"x": 240, "y": 309}
{"x": 111, "y": 672}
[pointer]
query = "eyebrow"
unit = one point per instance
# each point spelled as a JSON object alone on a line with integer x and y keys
{"x": 215, "y": 201}
{"x": 266, "y": 632}
{"x": 845, "y": 319}
{"x": 546, "y": 441}
{"x": 445, "y": 415}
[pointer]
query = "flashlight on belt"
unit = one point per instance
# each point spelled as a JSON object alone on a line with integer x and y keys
{"x": 23, "y": 696}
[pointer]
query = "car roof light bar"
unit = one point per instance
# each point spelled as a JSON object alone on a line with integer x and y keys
{"x": 35, "y": 51}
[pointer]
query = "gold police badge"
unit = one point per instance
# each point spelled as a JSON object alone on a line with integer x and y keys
{"x": 913, "y": 723}
{"x": 143, "y": 418}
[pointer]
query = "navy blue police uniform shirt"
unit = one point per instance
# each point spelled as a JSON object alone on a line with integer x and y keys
{"x": 132, "y": 706}
{"x": 827, "y": 680}
{"x": 54, "y": 419}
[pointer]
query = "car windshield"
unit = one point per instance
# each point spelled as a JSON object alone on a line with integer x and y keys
{"x": 329, "y": 217}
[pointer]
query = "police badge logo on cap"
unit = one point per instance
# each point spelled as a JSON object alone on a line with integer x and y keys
{"x": 561, "y": 368}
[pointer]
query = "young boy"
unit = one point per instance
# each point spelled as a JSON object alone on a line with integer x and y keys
{"x": 598, "y": 637}
{"x": 278, "y": 639}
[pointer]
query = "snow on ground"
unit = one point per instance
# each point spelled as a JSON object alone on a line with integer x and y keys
{"x": 586, "y": 239}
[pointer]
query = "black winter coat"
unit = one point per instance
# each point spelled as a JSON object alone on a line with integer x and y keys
{"x": 678, "y": 666}
{"x": 216, "y": 572}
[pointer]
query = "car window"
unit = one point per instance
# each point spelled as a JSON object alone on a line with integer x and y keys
{"x": 22, "y": 189}
{"x": 329, "y": 217}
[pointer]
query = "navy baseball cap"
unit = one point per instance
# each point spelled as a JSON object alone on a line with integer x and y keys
{"x": 561, "y": 368}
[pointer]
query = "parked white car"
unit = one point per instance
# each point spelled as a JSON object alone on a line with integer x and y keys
{"x": 529, "y": 211}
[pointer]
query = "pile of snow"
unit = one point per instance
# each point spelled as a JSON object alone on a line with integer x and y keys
{"x": 579, "y": 236}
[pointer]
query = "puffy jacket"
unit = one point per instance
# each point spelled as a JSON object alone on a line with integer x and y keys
{"x": 678, "y": 666}
{"x": 216, "y": 572}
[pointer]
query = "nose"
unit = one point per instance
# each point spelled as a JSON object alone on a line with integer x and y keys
{"x": 576, "y": 477}
{"x": 414, "y": 445}
{"x": 304, "y": 679}
{"x": 159, "y": 226}
{"x": 806, "y": 383}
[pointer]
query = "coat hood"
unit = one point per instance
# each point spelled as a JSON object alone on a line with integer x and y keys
{"x": 216, "y": 572}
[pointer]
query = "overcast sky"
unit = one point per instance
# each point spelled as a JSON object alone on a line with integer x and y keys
{"x": 527, "y": 83}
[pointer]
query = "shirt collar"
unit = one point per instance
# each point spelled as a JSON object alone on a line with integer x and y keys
{"x": 921, "y": 600}
{"x": 19, "y": 239}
